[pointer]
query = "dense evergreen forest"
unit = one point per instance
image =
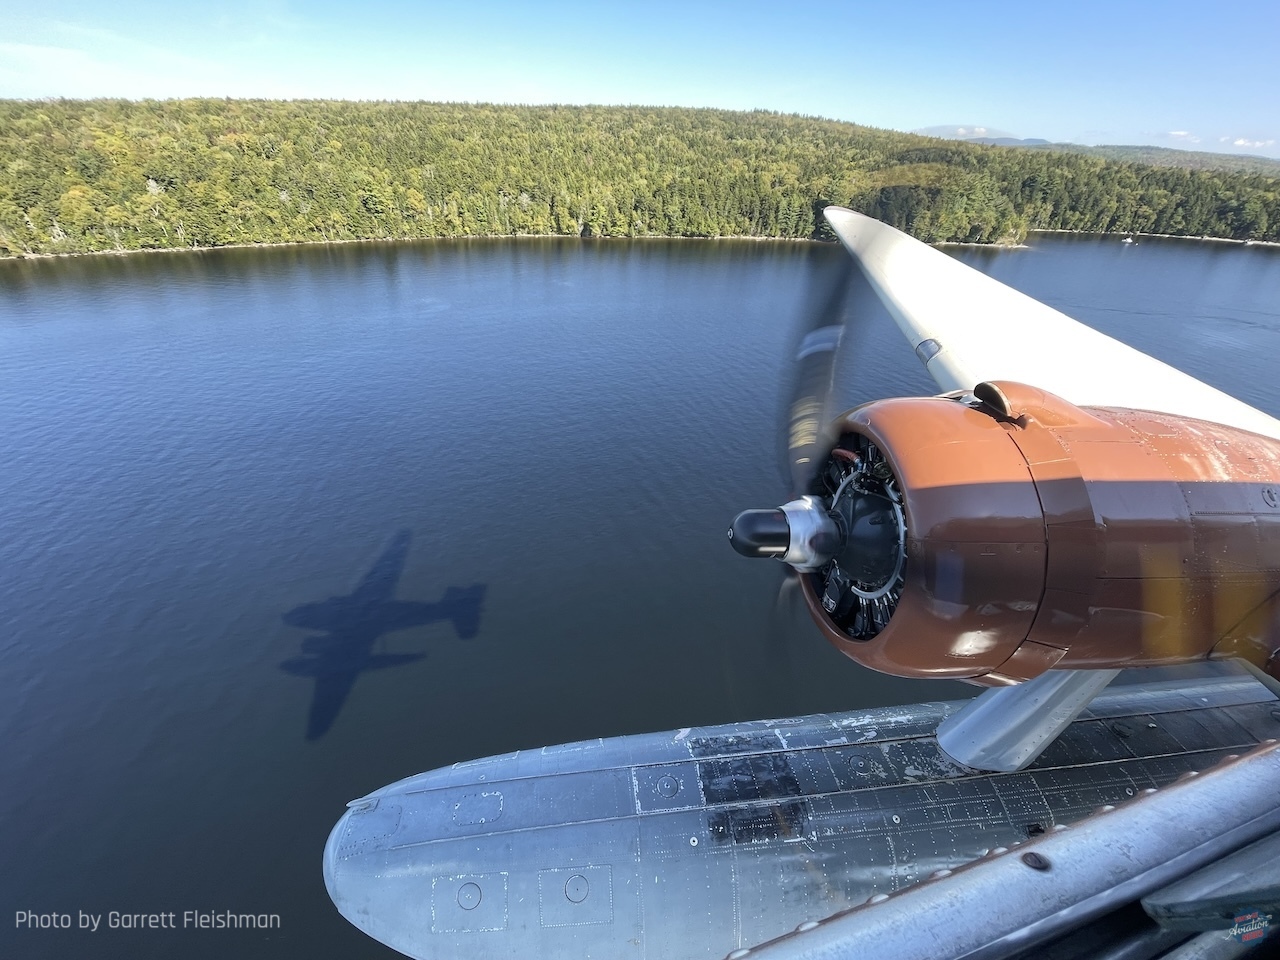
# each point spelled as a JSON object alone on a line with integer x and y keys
{"x": 121, "y": 175}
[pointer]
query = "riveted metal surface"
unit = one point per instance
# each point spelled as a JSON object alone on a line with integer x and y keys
{"x": 469, "y": 903}
{"x": 484, "y": 806}
{"x": 807, "y": 815}
{"x": 369, "y": 827}
{"x": 575, "y": 896}
{"x": 1133, "y": 850}
{"x": 668, "y": 786}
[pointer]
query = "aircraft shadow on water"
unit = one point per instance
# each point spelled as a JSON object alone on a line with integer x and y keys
{"x": 352, "y": 626}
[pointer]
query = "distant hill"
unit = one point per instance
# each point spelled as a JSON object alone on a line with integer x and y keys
{"x": 975, "y": 133}
{"x": 1009, "y": 141}
{"x": 1152, "y": 156}
{"x": 1168, "y": 157}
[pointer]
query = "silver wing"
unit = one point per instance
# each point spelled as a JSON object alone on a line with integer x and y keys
{"x": 968, "y": 328}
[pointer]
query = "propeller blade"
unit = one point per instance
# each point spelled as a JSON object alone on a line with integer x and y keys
{"x": 788, "y": 600}
{"x": 783, "y": 620}
{"x": 800, "y": 532}
{"x": 822, "y": 327}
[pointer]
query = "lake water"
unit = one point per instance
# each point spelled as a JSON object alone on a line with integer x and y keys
{"x": 513, "y": 464}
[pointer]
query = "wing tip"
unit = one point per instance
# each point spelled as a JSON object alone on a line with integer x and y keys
{"x": 849, "y": 225}
{"x": 844, "y": 214}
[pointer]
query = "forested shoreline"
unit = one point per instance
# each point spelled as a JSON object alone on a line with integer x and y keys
{"x": 114, "y": 175}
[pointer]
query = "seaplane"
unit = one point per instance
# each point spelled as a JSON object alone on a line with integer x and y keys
{"x": 351, "y": 626}
{"x": 1088, "y": 534}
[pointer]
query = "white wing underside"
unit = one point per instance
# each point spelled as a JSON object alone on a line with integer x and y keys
{"x": 984, "y": 330}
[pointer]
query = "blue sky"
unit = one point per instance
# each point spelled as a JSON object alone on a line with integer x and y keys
{"x": 1194, "y": 75}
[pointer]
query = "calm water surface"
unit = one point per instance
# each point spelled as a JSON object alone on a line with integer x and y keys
{"x": 491, "y": 477}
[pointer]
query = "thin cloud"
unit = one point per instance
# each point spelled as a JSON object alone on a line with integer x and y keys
{"x": 1185, "y": 136}
{"x": 91, "y": 62}
{"x": 1246, "y": 142}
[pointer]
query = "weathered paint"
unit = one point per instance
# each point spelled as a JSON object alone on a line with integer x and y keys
{"x": 1041, "y": 535}
{"x": 695, "y": 843}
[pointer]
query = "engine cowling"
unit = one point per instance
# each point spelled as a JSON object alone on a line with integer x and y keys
{"x": 995, "y": 536}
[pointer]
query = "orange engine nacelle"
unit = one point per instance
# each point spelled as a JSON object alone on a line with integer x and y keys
{"x": 1032, "y": 533}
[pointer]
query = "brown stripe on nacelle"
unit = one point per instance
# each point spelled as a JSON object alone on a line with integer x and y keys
{"x": 1041, "y": 534}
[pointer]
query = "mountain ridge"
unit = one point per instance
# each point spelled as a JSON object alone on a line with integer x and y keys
{"x": 1122, "y": 153}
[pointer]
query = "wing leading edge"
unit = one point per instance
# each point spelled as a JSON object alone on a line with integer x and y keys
{"x": 966, "y": 328}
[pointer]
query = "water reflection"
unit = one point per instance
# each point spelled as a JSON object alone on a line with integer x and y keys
{"x": 353, "y": 624}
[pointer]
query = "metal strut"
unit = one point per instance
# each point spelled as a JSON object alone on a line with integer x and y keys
{"x": 1006, "y": 728}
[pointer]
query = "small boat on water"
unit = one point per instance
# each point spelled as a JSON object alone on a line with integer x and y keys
{"x": 1128, "y": 240}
